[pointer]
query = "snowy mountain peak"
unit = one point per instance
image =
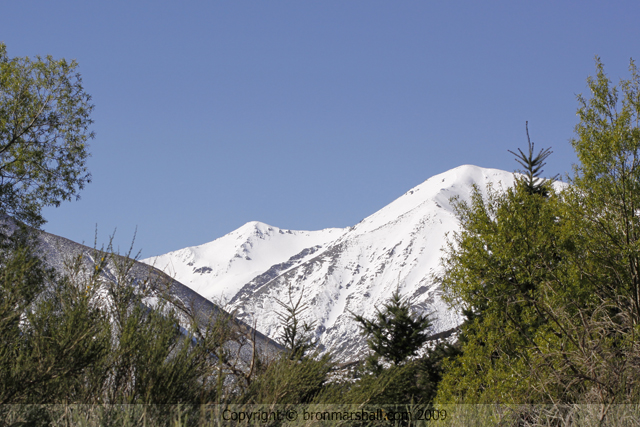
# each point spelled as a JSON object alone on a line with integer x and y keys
{"x": 256, "y": 228}
{"x": 218, "y": 269}
{"x": 437, "y": 192}
{"x": 337, "y": 271}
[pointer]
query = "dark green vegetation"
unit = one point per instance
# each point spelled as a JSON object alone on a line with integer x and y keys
{"x": 548, "y": 281}
{"x": 394, "y": 334}
{"x": 79, "y": 338}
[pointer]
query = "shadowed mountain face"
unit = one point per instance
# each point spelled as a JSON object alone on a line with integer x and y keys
{"x": 58, "y": 252}
{"x": 337, "y": 272}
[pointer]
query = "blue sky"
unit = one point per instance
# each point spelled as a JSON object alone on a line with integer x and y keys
{"x": 308, "y": 115}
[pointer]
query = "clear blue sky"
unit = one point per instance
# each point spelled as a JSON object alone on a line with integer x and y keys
{"x": 307, "y": 115}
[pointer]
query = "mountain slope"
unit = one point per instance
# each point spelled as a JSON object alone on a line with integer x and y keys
{"x": 58, "y": 252}
{"x": 337, "y": 271}
{"x": 234, "y": 259}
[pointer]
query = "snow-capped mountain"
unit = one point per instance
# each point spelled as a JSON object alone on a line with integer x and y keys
{"x": 236, "y": 258}
{"x": 336, "y": 272}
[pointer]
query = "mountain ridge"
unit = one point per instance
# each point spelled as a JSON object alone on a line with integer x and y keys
{"x": 337, "y": 272}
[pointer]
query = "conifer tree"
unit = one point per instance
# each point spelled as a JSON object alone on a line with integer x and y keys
{"x": 296, "y": 336}
{"x": 533, "y": 167}
{"x": 396, "y": 333}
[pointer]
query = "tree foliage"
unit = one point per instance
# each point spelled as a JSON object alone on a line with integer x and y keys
{"x": 607, "y": 183}
{"x": 288, "y": 381}
{"x": 509, "y": 244}
{"x": 296, "y": 336}
{"x": 44, "y": 128}
{"x": 396, "y": 333}
{"x": 533, "y": 167}
{"x": 51, "y": 333}
{"x": 548, "y": 279}
{"x": 98, "y": 335}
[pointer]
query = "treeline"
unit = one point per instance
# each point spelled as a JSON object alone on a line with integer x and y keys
{"x": 94, "y": 345}
{"x": 97, "y": 335}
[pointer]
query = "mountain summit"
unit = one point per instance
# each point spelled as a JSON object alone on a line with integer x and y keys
{"x": 336, "y": 271}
